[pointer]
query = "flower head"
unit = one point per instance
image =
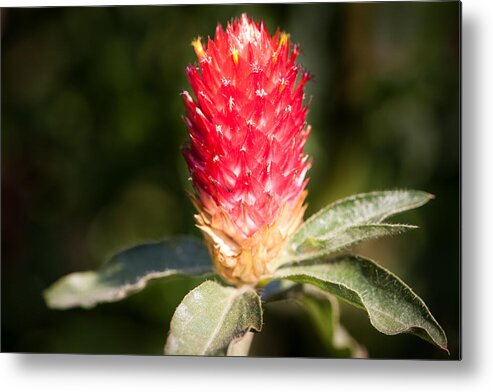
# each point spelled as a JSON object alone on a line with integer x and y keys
{"x": 247, "y": 130}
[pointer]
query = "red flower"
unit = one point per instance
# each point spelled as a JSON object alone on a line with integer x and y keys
{"x": 247, "y": 131}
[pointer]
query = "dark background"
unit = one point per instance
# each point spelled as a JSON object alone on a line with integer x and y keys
{"x": 91, "y": 161}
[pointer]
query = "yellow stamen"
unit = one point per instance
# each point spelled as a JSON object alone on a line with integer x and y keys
{"x": 199, "y": 49}
{"x": 284, "y": 39}
{"x": 234, "y": 53}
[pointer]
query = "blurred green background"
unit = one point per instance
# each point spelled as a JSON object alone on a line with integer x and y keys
{"x": 91, "y": 161}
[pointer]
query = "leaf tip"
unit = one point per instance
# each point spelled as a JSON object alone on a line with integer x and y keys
{"x": 444, "y": 345}
{"x": 51, "y": 300}
{"x": 46, "y": 298}
{"x": 430, "y": 196}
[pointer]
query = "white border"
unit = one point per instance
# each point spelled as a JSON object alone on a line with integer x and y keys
{"x": 51, "y": 3}
{"x": 473, "y": 373}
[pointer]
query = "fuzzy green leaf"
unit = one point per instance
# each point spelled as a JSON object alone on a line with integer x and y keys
{"x": 128, "y": 272}
{"x": 349, "y": 221}
{"x": 214, "y": 320}
{"x": 336, "y": 241}
{"x": 392, "y": 306}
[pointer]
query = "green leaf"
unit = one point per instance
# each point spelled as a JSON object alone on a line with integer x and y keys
{"x": 214, "y": 320}
{"x": 128, "y": 272}
{"x": 323, "y": 310}
{"x": 391, "y": 305}
{"x": 349, "y": 221}
{"x": 336, "y": 241}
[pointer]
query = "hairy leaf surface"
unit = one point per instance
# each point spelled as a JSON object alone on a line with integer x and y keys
{"x": 128, "y": 272}
{"x": 349, "y": 221}
{"x": 392, "y": 306}
{"x": 214, "y": 320}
